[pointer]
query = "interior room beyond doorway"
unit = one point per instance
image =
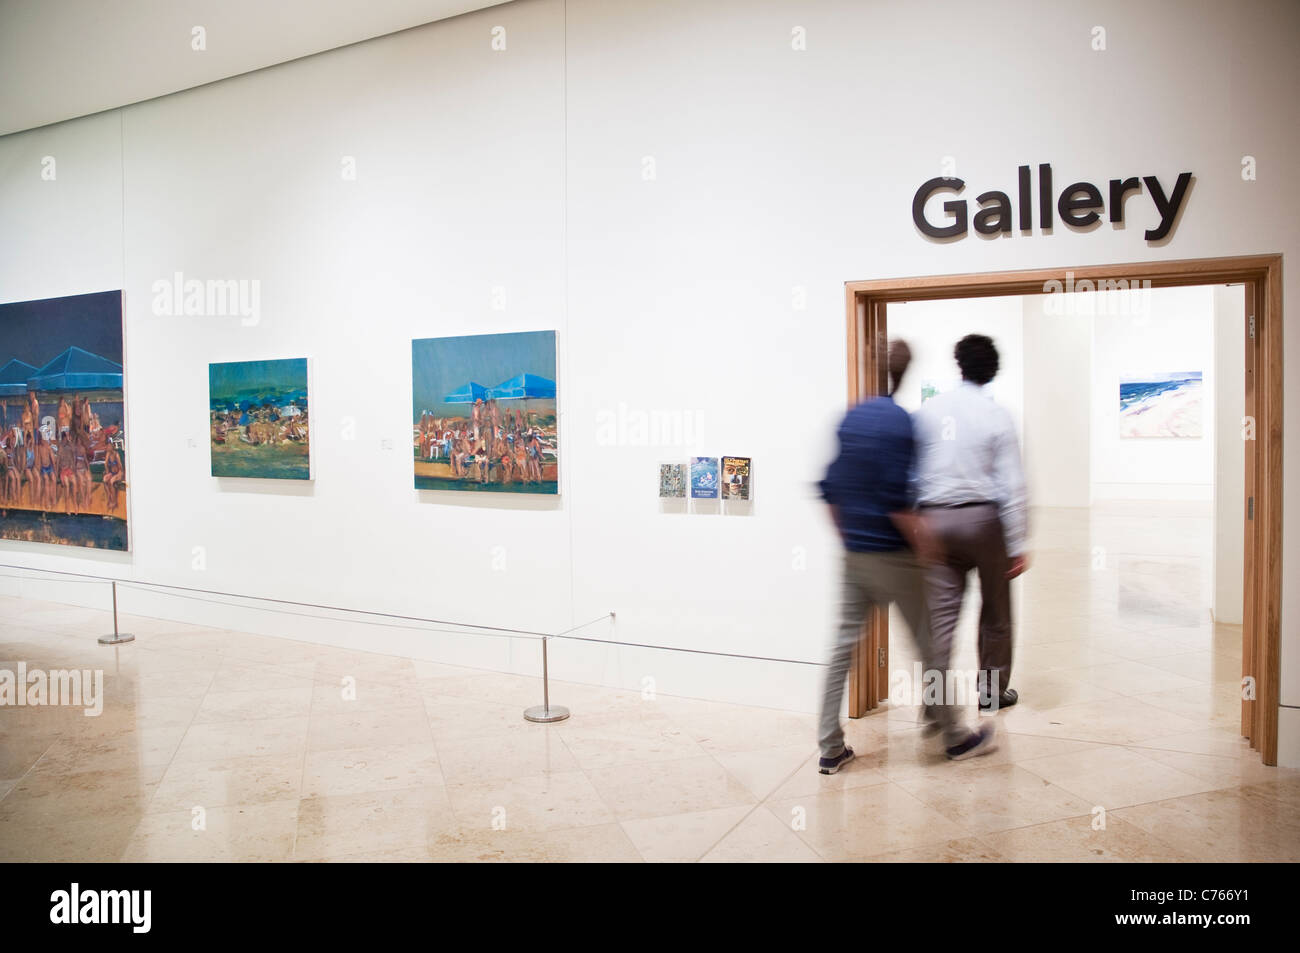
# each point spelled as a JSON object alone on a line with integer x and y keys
{"x": 1129, "y": 410}
{"x": 1154, "y": 491}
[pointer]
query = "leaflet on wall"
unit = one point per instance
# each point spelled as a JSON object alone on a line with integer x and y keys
{"x": 1160, "y": 404}
{"x": 672, "y": 481}
{"x": 258, "y": 419}
{"x": 62, "y": 422}
{"x": 735, "y": 478}
{"x": 484, "y": 414}
{"x": 704, "y": 478}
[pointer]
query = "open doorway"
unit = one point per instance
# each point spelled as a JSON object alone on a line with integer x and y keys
{"x": 1185, "y": 525}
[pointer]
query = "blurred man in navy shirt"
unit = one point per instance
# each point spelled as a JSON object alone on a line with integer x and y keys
{"x": 869, "y": 489}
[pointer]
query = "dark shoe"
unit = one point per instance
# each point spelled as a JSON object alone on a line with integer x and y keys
{"x": 1005, "y": 700}
{"x": 831, "y": 765}
{"x": 980, "y": 741}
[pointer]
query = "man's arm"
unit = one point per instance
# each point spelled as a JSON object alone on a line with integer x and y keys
{"x": 838, "y": 520}
{"x": 1009, "y": 477}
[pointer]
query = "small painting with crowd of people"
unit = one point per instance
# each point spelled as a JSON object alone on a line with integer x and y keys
{"x": 259, "y": 419}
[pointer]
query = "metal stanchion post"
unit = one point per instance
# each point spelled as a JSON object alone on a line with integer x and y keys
{"x": 117, "y": 638}
{"x": 544, "y": 713}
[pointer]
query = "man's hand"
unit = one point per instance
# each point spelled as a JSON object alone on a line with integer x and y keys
{"x": 916, "y": 531}
{"x": 1018, "y": 565}
{"x": 928, "y": 546}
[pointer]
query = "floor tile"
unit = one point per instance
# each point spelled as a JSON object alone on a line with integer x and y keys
{"x": 247, "y": 833}
{"x": 658, "y": 788}
{"x": 683, "y": 838}
{"x": 1114, "y": 777}
{"x": 761, "y": 838}
{"x": 860, "y": 823}
{"x": 340, "y": 771}
{"x": 537, "y": 803}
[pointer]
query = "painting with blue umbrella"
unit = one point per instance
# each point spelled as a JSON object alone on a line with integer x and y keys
{"x": 63, "y": 422}
{"x": 483, "y": 413}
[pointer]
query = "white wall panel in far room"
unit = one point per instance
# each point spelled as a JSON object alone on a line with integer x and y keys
{"x": 1058, "y": 401}
{"x": 1172, "y": 331}
{"x": 60, "y": 60}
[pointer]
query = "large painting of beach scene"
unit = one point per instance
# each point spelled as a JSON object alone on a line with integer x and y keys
{"x": 259, "y": 419}
{"x": 1160, "y": 404}
{"x": 62, "y": 422}
{"x": 484, "y": 414}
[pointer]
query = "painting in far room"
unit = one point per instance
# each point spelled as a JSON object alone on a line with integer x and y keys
{"x": 483, "y": 413}
{"x": 258, "y": 415}
{"x": 63, "y": 422}
{"x": 1160, "y": 404}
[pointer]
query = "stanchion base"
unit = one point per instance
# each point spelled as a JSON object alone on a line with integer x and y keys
{"x": 116, "y": 639}
{"x": 540, "y": 713}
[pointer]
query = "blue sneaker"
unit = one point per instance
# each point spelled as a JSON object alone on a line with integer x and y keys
{"x": 831, "y": 765}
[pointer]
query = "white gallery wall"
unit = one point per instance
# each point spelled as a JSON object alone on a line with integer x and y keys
{"x": 681, "y": 193}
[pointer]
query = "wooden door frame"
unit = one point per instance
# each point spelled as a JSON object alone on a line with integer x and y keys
{"x": 1262, "y": 275}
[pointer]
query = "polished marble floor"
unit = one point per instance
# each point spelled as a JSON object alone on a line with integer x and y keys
{"x": 225, "y": 746}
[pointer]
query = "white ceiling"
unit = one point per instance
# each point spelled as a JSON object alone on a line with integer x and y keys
{"x": 65, "y": 58}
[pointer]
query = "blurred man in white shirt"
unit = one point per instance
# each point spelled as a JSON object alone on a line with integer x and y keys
{"x": 971, "y": 487}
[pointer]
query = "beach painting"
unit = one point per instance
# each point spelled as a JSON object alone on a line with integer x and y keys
{"x": 258, "y": 418}
{"x": 483, "y": 413}
{"x": 63, "y": 422}
{"x": 1161, "y": 404}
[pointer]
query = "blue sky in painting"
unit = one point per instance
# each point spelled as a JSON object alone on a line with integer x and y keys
{"x": 39, "y": 331}
{"x": 442, "y": 365}
{"x": 247, "y": 380}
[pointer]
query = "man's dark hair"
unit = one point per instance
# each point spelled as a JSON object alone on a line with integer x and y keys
{"x": 977, "y": 356}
